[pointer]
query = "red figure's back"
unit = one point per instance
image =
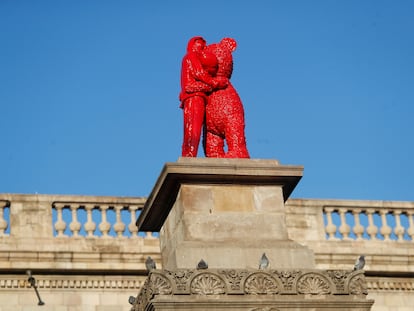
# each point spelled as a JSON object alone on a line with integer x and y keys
{"x": 224, "y": 111}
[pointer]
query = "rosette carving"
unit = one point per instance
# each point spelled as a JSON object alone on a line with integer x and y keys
{"x": 207, "y": 284}
{"x": 287, "y": 278}
{"x": 181, "y": 278}
{"x": 339, "y": 278}
{"x": 234, "y": 278}
{"x": 313, "y": 284}
{"x": 261, "y": 284}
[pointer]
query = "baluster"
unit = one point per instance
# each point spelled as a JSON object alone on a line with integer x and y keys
{"x": 132, "y": 227}
{"x": 3, "y": 222}
{"x": 358, "y": 228}
{"x": 90, "y": 225}
{"x": 104, "y": 226}
{"x": 385, "y": 229}
{"x": 148, "y": 235}
{"x": 372, "y": 228}
{"x": 119, "y": 226}
{"x": 399, "y": 229}
{"x": 344, "y": 228}
{"x": 330, "y": 228}
{"x": 410, "y": 229}
{"x": 60, "y": 225}
{"x": 75, "y": 225}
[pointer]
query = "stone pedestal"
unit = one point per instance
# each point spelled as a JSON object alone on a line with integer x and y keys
{"x": 229, "y": 212}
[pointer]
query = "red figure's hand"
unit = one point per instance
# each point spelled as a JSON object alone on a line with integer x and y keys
{"x": 221, "y": 82}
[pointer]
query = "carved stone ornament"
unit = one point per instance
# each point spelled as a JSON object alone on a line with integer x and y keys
{"x": 271, "y": 283}
{"x": 160, "y": 285}
{"x": 207, "y": 284}
{"x": 313, "y": 284}
{"x": 357, "y": 285}
{"x": 261, "y": 284}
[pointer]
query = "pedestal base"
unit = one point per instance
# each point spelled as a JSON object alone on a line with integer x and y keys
{"x": 227, "y": 212}
{"x": 281, "y": 255}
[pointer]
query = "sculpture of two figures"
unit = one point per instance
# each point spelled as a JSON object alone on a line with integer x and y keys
{"x": 210, "y": 101}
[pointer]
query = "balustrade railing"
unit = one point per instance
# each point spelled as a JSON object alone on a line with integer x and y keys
{"x": 114, "y": 217}
{"x": 48, "y": 216}
{"x": 385, "y": 222}
{"x": 97, "y": 219}
{"x": 4, "y": 217}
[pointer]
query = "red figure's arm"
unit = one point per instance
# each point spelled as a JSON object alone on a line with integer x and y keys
{"x": 202, "y": 75}
{"x": 198, "y": 71}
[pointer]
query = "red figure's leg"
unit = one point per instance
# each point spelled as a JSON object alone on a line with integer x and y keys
{"x": 236, "y": 142}
{"x": 193, "y": 122}
{"x": 214, "y": 146}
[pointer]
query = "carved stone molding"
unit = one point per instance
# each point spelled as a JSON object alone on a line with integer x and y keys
{"x": 251, "y": 282}
{"x": 261, "y": 284}
{"x": 379, "y": 284}
{"x": 313, "y": 284}
{"x": 207, "y": 284}
{"x": 84, "y": 282}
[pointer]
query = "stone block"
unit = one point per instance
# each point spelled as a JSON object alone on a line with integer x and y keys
{"x": 217, "y": 228}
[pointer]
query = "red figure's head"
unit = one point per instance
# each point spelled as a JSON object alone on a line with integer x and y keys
{"x": 196, "y": 44}
{"x": 229, "y": 43}
{"x": 209, "y": 62}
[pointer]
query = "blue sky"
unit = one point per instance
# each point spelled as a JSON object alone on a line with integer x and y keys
{"x": 89, "y": 92}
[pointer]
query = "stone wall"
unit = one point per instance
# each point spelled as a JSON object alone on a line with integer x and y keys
{"x": 69, "y": 292}
{"x": 97, "y": 262}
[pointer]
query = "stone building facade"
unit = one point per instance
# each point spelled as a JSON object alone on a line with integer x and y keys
{"x": 85, "y": 252}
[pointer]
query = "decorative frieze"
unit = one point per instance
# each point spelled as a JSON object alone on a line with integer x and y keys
{"x": 213, "y": 282}
{"x": 387, "y": 284}
{"x": 85, "y": 282}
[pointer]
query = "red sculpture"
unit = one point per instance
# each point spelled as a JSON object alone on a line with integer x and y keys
{"x": 208, "y": 98}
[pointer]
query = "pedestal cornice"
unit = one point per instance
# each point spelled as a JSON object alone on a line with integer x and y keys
{"x": 214, "y": 172}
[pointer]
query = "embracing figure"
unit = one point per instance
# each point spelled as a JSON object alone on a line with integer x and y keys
{"x": 208, "y": 98}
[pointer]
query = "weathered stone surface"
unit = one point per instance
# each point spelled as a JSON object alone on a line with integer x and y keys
{"x": 229, "y": 224}
{"x": 210, "y": 171}
{"x": 60, "y": 263}
{"x": 233, "y": 289}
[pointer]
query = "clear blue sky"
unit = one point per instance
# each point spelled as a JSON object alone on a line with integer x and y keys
{"x": 89, "y": 92}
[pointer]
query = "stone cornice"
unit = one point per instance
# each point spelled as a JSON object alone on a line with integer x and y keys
{"x": 17, "y": 282}
{"x": 214, "y": 172}
{"x": 230, "y": 282}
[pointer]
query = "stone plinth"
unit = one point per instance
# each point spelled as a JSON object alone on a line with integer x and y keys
{"x": 254, "y": 290}
{"x": 225, "y": 211}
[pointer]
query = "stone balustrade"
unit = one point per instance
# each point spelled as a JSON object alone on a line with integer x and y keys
{"x": 63, "y": 232}
{"x": 375, "y": 222}
{"x": 340, "y": 230}
{"x": 68, "y": 241}
{"x": 75, "y": 216}
{"x": 97, "y": 219}
{"x": 4, "y": 216}
{"x": 336, "y": 230}
{"x": 344, "y": 220}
